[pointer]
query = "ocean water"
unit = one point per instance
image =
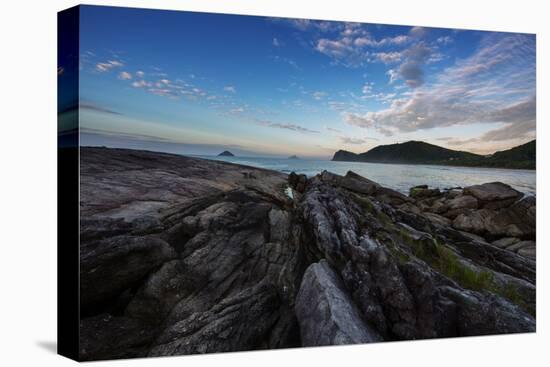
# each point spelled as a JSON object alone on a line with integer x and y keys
{"x": 400, "y": 177}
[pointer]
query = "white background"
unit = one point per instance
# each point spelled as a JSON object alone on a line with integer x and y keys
{"x": 28, "y": 182}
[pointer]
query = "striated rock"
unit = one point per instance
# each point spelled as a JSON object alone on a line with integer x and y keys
{"x": 108, "y": 337}
{"x": 519, "y": 245}
{"x": 326, "y": 313}
{"x": 237, "y": 323}
{"x": 528, "y": 252}
{"x": 116, "y": 264}
{"x": 505, "y": 242}
{"x": 195, "y": 256}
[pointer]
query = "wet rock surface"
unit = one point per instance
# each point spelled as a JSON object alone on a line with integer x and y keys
{"x": 184, "y": 255}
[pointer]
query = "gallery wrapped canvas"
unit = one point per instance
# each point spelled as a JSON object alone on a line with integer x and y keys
{"x": 235, "y": 183}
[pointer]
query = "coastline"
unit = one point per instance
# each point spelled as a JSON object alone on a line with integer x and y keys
{"x": 183, "y": 255}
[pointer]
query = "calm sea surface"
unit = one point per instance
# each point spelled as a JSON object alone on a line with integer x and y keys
{"x": 400, "y": 177}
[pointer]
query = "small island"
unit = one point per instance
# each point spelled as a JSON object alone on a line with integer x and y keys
{"x": 293, "y": 157}
{"x": 226, "y": 153}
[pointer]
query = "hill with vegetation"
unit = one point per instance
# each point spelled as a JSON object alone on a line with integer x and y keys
{"x": 418, "y": 152}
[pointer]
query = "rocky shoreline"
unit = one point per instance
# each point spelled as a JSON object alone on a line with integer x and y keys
{"x": 183, "y": 255}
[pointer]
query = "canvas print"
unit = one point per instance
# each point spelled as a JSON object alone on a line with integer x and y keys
{"x": 247, "y": 182}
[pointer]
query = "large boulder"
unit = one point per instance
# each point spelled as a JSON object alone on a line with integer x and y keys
{"x": 493, "y": 195}
{"x": 326, "y": 313}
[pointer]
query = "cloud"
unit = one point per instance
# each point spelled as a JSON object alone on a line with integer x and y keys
{"x": 319, "y": 95}
{"x": 354, "y": 141}
{"x": 411, "y": 70}
{"x": 230, "y": 89}
{"x": 418, "y": 32}
{"x": 140, "y": 74}
{"x": 496, "y": 84}
{"x": 286, "y": 61}
{"x": 354, "y": 46}
{"x": 388, "y": 57}
{"x": 309, "y": 25}
{"x": 348, "y": 140}
{"x": 276, "y": 42}
{"x": 393, "y": 75}
{"x": 93, "y": 107}
{"x": 124, "y": 75}
{"x": 286, "y": 126}
{"x": 333, "y": 129}
{"x": 237, "y": 110}
{"x": 445, "y": 40}
{"x": 141, "y": 84}
{"x": 106, "y": 66}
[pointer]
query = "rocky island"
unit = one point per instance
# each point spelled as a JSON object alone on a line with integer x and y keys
{"x": 226, "y": 153}
{"x": 184, "y": 255}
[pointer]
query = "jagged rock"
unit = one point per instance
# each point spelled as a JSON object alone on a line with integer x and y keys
{"x": 422, "y": 191}
{"x": 518, "y": 220}
{"x": 462, "y": 202}
{"x": 297, "y": 182}
{"x": 114, "y": 264}
{"x": 486, "y": 314}
{"x": 438, "y": 219}
{"x": 195, "y": 257}
{"x": 478, "y": 221}
{"x": 108, "y": 337}
{"x": 529, "y": 252}
{"x": 326, "y": 313}
{"x": 493, "y": 195}
{"x": 237, "y": 323}
{"x": 519, "y": 245}
{"x": 505, "y": 242}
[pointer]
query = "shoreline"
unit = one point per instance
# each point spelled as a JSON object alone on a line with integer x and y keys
{"x": 170, "y": 240}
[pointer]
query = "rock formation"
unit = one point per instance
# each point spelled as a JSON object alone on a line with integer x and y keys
{"x": 183, "y": 255}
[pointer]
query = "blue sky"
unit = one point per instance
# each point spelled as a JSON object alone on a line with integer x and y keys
{"x": 270, "y": 86}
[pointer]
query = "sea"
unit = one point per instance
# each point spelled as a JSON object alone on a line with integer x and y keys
{"x": 400, "y": 177}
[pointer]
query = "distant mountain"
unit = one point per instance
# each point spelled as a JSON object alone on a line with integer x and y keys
{"x": 409, "y": 152}
{"x": 523, "y": 156}
{"x": 418, "y": 152}
{"x": 293, "y": 157}
{"x": 226, "y": 153}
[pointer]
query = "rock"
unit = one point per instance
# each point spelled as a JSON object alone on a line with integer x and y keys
{"x": 494, "y": 195}
{"x": 519, "y": 245}
{"x": 236, "y": 323}
{"x": 117, "y": 263}
{"x": 297, "y": 182}
{"x": 107, "y": 337}
{"x": 505, "y": 242}
{"x": 438, "y": 219}
{"x": 529, "y": 252}
{"x": 226, "y": 153}
{"x": 518, "y": 220}
{"x": 196, "y": 257}
{"x": 476, "y": 222}
{"x": 423, "y": 191}
{"x": 462, "y": 202}
{"x": 486, "y": 314}
{"x": 326, "y": 313}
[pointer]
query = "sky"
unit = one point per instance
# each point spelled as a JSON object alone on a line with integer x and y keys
{"x": 261, "y": 86}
